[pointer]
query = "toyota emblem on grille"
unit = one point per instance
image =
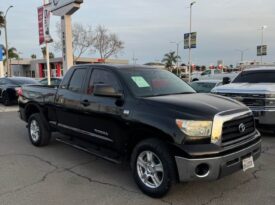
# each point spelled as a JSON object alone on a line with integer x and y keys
{"x": 242, "y": 128}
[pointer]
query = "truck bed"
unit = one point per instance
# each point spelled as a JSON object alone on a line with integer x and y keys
{"x": 39, "y": 93}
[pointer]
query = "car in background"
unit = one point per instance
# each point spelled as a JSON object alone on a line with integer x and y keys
{"x": 256, "y": 89}
{"x": 205, "y": 86}
{"x": 211, "y": 74}
{"x": 9, "y": 86}
{"x": 54, "y": 81}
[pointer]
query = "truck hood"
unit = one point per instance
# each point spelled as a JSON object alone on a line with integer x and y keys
{"x": 255, "y": 88}
{"x": 194, "y": 106}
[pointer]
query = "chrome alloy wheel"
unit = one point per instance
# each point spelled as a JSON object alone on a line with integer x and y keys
{"x": 34, "y": 130}
{"x": 150, "y": 169}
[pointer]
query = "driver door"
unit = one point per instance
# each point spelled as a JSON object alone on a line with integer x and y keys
{"x": 101, "y": 117}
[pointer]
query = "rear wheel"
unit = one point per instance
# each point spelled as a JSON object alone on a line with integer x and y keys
{"x": 38, "y": 133}
{"x": 153, "y": 168}
{"x": 6, "y": 99}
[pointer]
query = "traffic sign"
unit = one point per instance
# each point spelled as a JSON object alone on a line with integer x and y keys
{"x": 1, "y": 52}
{"x": 193, "y": 40}
{"x": 262, "y": 50}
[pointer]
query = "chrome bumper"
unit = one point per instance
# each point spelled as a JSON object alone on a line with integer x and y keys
{"x": 218, "y": 166}
{"x": 263, "y": 115}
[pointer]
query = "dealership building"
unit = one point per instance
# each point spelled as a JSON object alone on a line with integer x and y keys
{"x": 37, "y": 68}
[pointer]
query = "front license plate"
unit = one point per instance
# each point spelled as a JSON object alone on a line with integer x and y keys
{"x": 248, "y": 163}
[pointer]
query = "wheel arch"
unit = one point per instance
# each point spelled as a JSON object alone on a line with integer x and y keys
{"x": 32, "y": 108}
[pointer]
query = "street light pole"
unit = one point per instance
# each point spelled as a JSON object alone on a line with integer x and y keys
{"x": 262, "y": 42}
{"x": 6, "y": 39}
{"x": 242, "y": 53}
{"x": 189, "y": 44}
{"x": 177, "y": 59}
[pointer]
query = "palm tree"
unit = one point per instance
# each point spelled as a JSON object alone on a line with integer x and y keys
{"x": 43, "y": 49}
{"x": 170, "y": 59}
{"x": 2, "y": 20}
{"x": 33, "y": 56}
{"x": 13, "y": 54}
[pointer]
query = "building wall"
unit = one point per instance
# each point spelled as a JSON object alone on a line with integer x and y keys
{"x": 36, "y": 68}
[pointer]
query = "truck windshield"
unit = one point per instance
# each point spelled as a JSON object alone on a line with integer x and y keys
{"x": 262, "y": 76}
{"x": 153, "y": 82}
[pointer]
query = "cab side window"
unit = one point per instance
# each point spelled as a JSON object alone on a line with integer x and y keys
{"x": 77, "y": 80}
{"x": 65, "y": 82}
{"x": 105, "y": 78}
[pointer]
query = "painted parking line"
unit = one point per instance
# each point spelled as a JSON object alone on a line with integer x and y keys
{"x": 8, "y": 109}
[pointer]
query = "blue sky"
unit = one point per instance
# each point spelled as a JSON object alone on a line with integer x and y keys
{"x": 147, "y": 27}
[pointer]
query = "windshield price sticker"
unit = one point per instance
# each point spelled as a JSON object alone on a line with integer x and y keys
{"x": 248, "y": 163}
{"x": 140, "y": 82}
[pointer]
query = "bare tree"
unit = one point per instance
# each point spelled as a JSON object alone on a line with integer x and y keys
{"x": 82, "y": 39}
{"x": 107, "y": 44}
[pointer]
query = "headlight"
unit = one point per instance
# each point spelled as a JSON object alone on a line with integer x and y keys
{"x": 195, "y": 128}
{"x": 270, "y": 95}
{"x": 270, "y": 102}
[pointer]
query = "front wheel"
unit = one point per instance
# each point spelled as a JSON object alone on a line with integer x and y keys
{"x": 6, "y": 99}
{"x": 153, "y": 167}
{"x": 38, "y": 133}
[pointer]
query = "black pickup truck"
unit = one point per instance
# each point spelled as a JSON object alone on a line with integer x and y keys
{"x": 145, "y": 116}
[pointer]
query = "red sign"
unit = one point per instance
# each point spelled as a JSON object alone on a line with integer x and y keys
{"x": 41, "y": 25}
{"x": 101, "y": 60}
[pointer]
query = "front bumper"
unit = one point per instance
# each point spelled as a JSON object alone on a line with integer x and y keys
{"x": 218, "y": 166}
{"x": 264, "y": 115}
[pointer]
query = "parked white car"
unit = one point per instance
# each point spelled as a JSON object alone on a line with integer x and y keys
{"x": 211, "y": 74}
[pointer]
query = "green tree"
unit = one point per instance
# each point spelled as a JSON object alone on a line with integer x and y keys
{"x": 2, "y": 20}
{"x": 170, "y": 59}
{"x": 13, "y": 54}
{"x": 33, "y": 56}
{"x": 51, "y": 55}
{"x": 43, "y": 49}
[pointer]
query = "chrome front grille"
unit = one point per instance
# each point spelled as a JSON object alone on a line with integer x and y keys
{"x": 232, "y": 126}
{"x": 237, "y": 128}
{"x": 247, "y": 99}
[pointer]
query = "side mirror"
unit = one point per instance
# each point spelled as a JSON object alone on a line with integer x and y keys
{"x": 226, "y": 80}
{"x": 106, "y": 91}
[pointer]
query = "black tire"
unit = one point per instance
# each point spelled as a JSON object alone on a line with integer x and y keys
{"x": 43, "y": 136}
{"x": 6, "y": 99}
{"x": 160, "y": 153}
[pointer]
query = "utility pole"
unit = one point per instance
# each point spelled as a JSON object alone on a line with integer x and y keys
{"x": 6, "y": 39}
{"x": 262, "y": 42}
{"x": 177, "y": 62}
{"x": 134, "y": 59}
{"x": 47, "y": 53}
{"x": 190, "y": 31}
{"x": 242, "y": 51}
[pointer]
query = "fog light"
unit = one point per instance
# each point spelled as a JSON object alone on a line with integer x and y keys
{"x": 202, "y": 170}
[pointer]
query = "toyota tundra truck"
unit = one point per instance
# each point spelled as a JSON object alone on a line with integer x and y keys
{"x": 145, "y": 116}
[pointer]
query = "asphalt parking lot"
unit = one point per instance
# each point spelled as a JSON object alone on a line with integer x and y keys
{"x": 59, "y": 174}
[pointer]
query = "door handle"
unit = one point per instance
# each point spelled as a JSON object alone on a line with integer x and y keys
{"x": 85, "y": 103}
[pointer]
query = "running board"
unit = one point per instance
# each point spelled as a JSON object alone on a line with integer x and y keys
{"x": 92, "y": 151}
